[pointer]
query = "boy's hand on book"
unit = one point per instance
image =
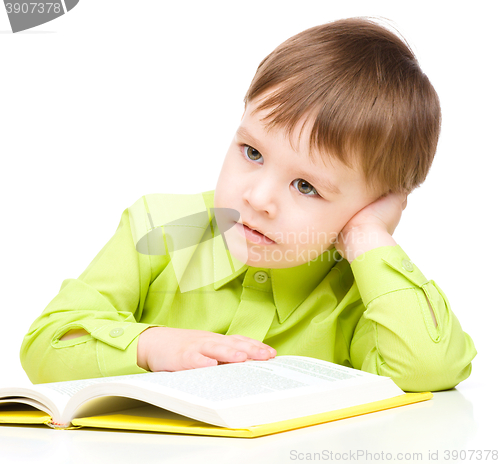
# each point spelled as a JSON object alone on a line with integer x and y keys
{"x": 372, "y": 226}
{"x": 169, "y": 349}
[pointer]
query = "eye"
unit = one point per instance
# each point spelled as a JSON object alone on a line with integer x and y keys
{"x": 251, "y": 153}
{"x": 304, "y": 187}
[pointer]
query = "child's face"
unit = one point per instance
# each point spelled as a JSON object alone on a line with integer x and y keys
{"x": 280, "y": 192}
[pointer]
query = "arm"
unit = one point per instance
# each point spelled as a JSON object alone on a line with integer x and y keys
{"x": 74, "y": 333}
{"x": 408, "y": 331}
{"x": 361, "y": 241}
{"x": 91, "y": 327}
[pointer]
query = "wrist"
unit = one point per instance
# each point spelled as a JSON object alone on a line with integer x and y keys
{"x": 143, "y": 349}
{"x": 361, "y": 239}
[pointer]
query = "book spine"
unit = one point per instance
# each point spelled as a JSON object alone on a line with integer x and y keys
{"x": 58, "y": 426}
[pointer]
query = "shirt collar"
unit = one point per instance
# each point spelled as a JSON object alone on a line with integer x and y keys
{"x": 291, "y": 286}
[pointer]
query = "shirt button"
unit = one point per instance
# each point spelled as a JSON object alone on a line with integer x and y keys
{"x": 260, "y": 277}
{"x": 116, "y": 332}
{"x": 407, "y": 265}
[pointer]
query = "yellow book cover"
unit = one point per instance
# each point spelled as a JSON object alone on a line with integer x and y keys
{"x": 247, "y": 399}
{"x": 145, "y": 419}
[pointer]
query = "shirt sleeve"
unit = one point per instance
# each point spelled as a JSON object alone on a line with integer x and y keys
{"x": 396, "y": 335}
{"x": 106, "y": 300}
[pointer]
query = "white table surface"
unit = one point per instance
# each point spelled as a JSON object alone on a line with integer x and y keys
{"x": 461, "y": 419}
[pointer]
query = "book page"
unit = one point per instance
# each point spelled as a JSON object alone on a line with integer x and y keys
{"x": 65, "y": 390}
{"x": 70, "y": 387}
{"x": 228, "y": 382}
{"x": 239, "y": 381}
{"x": 61, "y": 392}
{"x": 315, "y": 368}
{"x": 52, "y": 397}
{"x": 255, "y": 391}
{"x": 35, "y": 395}
{"x": 12, "y": 400}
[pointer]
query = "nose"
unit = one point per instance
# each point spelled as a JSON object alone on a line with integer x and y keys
{"x": 260, "y": 196}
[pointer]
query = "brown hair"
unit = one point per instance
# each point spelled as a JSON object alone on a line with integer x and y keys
{"x": 374, "y": 107}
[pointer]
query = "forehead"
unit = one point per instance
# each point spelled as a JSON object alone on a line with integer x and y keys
{"x": 296, "y": 152}
{"x": 298, "y": 140}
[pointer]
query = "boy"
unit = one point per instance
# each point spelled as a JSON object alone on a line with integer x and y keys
{"x": 293, "y": 251}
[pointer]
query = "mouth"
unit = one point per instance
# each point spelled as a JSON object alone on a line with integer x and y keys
{"x": 253, "y": 235}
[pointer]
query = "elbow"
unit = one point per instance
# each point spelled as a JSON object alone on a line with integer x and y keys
{"x": 31, "y": 357}
{"x": 43, "y": 363}
{"x": 38, "y": 357}
{"x": 39, "y": 361}
{"x": 435, "y": 366}
{"x": 422, "y": 376}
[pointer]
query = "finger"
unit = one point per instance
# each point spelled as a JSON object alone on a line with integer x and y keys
{"x": 234, "y": 350}
{"x": 223, "y": 352}
{"x": 256, "y": 351}
{"x": 254, "y": 348}
{"x": 255, "y": 342}
{"x": 194, "y": 360}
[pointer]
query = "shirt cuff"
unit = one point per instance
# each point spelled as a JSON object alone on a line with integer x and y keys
{"x": 116, "y": 346}
{"x": 383, "y": 270}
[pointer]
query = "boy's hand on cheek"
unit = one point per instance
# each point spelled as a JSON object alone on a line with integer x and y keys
{"x": 384, "y": 212}
{"x": 169, "y": 349}
{"x": 372, "y": 226}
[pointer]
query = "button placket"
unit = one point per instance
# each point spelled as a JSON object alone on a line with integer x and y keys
{"x": 407, "y": 265}
{"x": 256, "y": 310}
{"x": 117, "y": 332}
{"x": 260, "y": 277}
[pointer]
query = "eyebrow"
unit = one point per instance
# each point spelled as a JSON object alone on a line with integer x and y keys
{"x": 244, "y": 134}
{"x": 323, "y": 184}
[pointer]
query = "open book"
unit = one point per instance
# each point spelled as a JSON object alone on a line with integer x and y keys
{"x": 247, "y": 399}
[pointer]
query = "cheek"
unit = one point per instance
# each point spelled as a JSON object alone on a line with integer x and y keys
{"x": 309, "y": 232}
{"x": 224, "y": 173}
{"x": 220, "y": 195}
{"x": 327, "y": 228}
{"x": 228, "y": 185}
{"x": 229, "y": 170}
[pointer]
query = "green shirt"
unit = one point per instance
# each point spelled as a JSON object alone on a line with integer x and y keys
{"x": 371, "y": 314}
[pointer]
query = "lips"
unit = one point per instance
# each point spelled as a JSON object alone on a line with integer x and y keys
{"x": 256, "y": 235}
{"x": 254, "y": 228}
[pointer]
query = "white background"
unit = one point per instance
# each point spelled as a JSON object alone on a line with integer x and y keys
{"x": 121, "y": 98}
